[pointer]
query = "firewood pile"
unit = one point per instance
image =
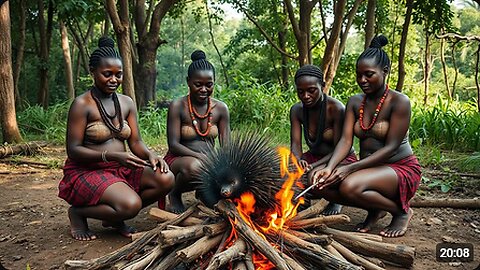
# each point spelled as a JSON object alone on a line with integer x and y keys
{"x": 203, "y": 238}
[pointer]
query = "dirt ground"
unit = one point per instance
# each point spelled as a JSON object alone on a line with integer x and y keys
{"x": 34, "y": 227}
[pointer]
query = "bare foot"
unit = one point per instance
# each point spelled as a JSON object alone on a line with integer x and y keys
{"x": 121, "y": 227}
{"x": 79, "y": 226}
{"x": 372, "y": 218}
{"x": 175, "y": 204}
{"x": 332, "y": 209}
{"x": 398, "y": 226}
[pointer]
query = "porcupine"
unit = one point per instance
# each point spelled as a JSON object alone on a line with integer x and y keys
{"x": 245, "y": 163}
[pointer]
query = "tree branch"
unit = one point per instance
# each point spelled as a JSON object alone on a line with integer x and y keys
{"x": 458, "y": 37}
{"x": 293, "y": 20}
{"x": 158, "y": 14}
{"x": 140, "y": 17}
{"x": 111, "y": 8}
{"x": 262, "y": 31}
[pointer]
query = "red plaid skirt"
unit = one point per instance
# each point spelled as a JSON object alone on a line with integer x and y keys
{"x": 409, "y": 173}
{"x": 84, "y": 184}
{"x": 311, "y": 158}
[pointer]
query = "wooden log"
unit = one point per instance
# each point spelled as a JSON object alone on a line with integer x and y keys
{"x": 319, "y": 239}
{"x": 199, "y": 248}
{"x": 29, "y": 148}
{"x": 335, "y": 253}
{"x": 369, "y": 236}
{"x": 354, "y": 258}
{"x": 172, "y": 237}
{"x": 228, "y": 209}
{"x": 327, "y": 261}
{"x": 291, "y": 262}
{"x": 446, "y": 203}
{"x": 128, "y": 250}
{"x": 143, "y": 261}
{"x": 220, "y": 248}
{"x": 373, "y": 260}
{"x": 137, "y": 235}
{"x": 319, "y": 262}
{"x": 313, "y": 211}
{"x": 239, "y": 265}
{"x": 163, "y": 216}
{"x": 237, "y": 250}
{"x": 249, "y": 259}
{"x": 399, "y": 254}
{"x": 314, "y": 222}
{"x": 170, "y": 261}
{"x": 215, "y": 229}
{"x": 208, "y": 211}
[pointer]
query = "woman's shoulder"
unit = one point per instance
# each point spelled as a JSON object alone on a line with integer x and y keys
{"x": 400, "y": 97}
{"x": 219, "y": 103}
{"x": 297, "y": 107}
{"x": 335, "y": 104}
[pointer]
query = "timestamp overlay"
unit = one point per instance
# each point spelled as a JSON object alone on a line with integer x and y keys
{"x": 454, "y": 252}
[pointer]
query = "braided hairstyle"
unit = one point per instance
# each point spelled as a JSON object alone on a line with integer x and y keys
{"x": 310, "y": 70}
{"x": 199, "y": 62}
{"x": 106, "y": 49}
{"x": 375, "y": 51}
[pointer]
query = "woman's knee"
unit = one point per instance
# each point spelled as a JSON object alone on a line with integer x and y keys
{"x": 129, "y": 207}
{"x": 190, "y": 168}
{"x": 350, "y": 188}
{"x": 164, "y": 181}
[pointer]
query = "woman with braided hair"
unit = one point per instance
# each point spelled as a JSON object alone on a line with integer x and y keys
{"x": 387, "y": 174}
{"x": 194, "y": 121}
{"x": 320, "y": 117}
{"x": 101, "y": 179}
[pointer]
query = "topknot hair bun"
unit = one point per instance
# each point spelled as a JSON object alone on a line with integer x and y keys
{"x": 106, "y": 42}
{"x": 198, "y": 55}
{"x": 379, "y": 42}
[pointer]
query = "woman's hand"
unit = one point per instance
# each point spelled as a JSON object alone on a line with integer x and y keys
{"x": 157, "y": 162}
{"x": 338, "y": 175}
{"x": 319, "y": 175}
{"x": 129, "y": 160}
{"x": 304, "y": 165}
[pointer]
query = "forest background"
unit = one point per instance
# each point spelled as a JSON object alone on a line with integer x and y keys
{"x": 256, "y": 46}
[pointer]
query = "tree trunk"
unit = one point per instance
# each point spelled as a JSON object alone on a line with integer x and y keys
{"x": 42, "y": 98}
{"x": 212, "y": 36}
{"x": 370, "y": 26}
{"x": 147, "y": 71}
{"x": 121, "y": 25}
{"x": 147, "y": 45}
{"x": 10, "y": 132}
{"x": 454, "y": 61}
{"x": 403, "y": 46}
{"x": 426, "y": 71}
{"x": 329, "y": 54}
{"x": 444, "y": 67}
{"x": 340, "y": 47}
{"x": 477, "y": 83}
{"x": 68, "y": 61}
{"x": 20, "y": 52}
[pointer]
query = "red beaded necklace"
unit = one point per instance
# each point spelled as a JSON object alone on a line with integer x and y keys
{"x": 377, "y": 110}
{"x": 194, "y": 113}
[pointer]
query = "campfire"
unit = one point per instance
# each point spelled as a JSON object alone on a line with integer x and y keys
{"x": 239, "y": 235}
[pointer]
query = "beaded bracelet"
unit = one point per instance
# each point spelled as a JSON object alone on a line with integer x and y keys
{"x": 104, "y": 156}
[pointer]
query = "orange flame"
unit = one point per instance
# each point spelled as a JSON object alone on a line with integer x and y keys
{"x": 287, "y": 208}
{"x": 278, "y": 217}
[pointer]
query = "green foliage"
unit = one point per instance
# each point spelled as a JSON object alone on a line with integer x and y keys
{"x": 50, "y": 124}
{"x": 153, "y": 125}
{"x": 262, "y": 107}
{"x": 447, "y": 125}
{"x": 471, "y": 163}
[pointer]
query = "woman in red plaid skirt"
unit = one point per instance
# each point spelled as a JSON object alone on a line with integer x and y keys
{"x": 388, "y": 174}
{"x": 102, "y": 180}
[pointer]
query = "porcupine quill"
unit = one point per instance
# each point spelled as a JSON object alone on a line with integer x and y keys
{"x": 245, "y": 163}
